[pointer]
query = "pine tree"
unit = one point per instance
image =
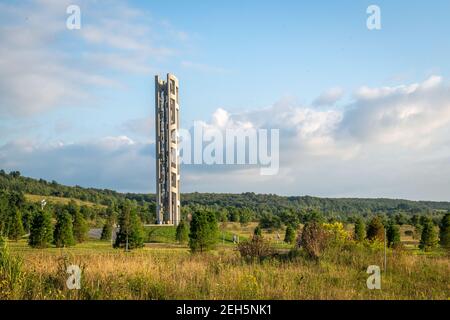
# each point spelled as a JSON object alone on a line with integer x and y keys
{"x": 107, "y": 231}
{"x": 393, "y": 235}
{"x": 290, "y": 235}
{"x": 182, "y": 234}
{"x": 63, "y": 234}
{"x": 131, "y": 232}
{"x": 80, "y": 227}
{"x": 203, "y": 232}
{"x": 15, "y": 226}
{"x": 444, "y": 231}
{"x": 360, "y": 229}
{"x": 41, "y": 230}
{"x": 375, "y": 229}
{"x": 429, "y": 239}
{"x": 258, "y": 231}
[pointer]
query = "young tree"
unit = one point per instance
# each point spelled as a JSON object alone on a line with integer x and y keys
{"x": 375, "y": 229}
{"x": 290, "y": 235}
{"x": 393, "y": 235}
{"x": 41, "y": 230}
{"x": 314, "y": 239}
{"x": 15, "y": 226}
{"x": 63, "y": 234}
{"x": 429, "y": 239}
{"x": 360, "y": 229}
{"x": 107, "y": 230}
{"x": 257, "y": 231}
{"x": 444, "y": 231}
{"x": 182, "y": 234}
{"x": 80, "y": 227}
{"x": 203, "y": 232}
{"x": 131, "y": 231}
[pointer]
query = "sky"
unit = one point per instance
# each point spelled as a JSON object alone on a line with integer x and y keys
{"x": 361, "y": 113}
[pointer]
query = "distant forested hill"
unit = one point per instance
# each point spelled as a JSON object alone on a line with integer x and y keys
{"x": 257, "y": 203}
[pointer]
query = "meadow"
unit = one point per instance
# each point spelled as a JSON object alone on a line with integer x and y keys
{"x": 164, "y": 269}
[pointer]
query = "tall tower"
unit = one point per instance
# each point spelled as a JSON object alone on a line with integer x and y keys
{"x": 167, "y": 161}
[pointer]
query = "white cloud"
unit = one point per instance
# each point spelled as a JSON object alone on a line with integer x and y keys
{"x": 394, "y": 143}
{"x": 329, "y": 97}
{"x": 44, "y": 66}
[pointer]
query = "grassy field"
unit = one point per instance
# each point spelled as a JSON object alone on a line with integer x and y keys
{"x": 165, "y": 270}
{"x": 60, "y": 200}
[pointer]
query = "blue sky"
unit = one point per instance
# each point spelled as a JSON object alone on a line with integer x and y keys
{"x": 84, "y": 97}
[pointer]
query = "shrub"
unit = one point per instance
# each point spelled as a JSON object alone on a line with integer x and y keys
{"x": 429, "y": 239}
{"x": 16, "y": 230}
{"x": 203, "y": 231}
{"x": 182, "y": 234}
{"x": 338, "y": 235}
{"x": 257, "y": 231}
{"x": 257, "y": 248}
{"x": 63, "y": 235}
{"x": 444, "y": 232}
{"x": 375, "y": 230}
{"x": 41, "y": 230}
{"x": 393, "y": 235}
{"x": 107, "y": 231}
{"x": 313, "y": 239}
{"x": 360, "y": 230}
{"x": 131, "y": 231}
{"x": 290, "y": 235}
{"x": 80, "y": 227}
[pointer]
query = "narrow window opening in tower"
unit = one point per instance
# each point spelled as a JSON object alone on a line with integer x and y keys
{"x": 172, "y": 111}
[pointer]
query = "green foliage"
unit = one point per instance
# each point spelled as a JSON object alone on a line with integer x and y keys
{"x": 131, "y": 232}
{"x": 11, "y": 274}
{"x": 107, "y": 230}
{"x": 270, "y": 221}
{"x": 290, "y": 235}
{"x": 257, "y": 248}
{"x": 360, "y": 230}
{"x": 314, "y": 239}
{"x": 393, "y": 235}
{"x": 203, "y": 231}
{"x": 375, "y": 229}
{"x": 182, "y": 234}
{"x": 257, "y": 231}
{"x": 444, "y": 231}
{"x": 429, "y": 239}
{"x": 63, "y": 234}
{"x": 41, "y": 230}
{"x": 80, "y": 227}
{"x": 15, "y": 226}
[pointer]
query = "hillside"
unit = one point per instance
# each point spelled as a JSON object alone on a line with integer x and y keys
{"x": 258, "y": 203}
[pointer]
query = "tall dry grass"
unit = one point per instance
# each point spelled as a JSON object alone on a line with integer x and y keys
{"x": 159, "y": 273}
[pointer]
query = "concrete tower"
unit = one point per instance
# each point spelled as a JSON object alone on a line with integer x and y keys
{"x": 167, "y": 162}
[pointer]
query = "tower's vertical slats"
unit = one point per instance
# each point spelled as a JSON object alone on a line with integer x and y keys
{"x": 167, "y": 159}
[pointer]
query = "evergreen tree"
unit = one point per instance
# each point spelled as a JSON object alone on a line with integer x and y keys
{"x": 63, "y": 234}
{"x": 107, "y": 230}
{"x": 80, "y": 227}
{"x": 182, "y": 234}
{"x": 15, "y": 226}
{"x": 444, "y": 231}
{"x": 258, "y": 231}
{"x": 429, "y": 239}
{"x": 375, "y": 229}
{"x": 203, "y": 231}
{"x": 41, "y": 230}
{"x": 131, "y": 231}
{"x": 393, "y": 234}
{"x": 360, "y": 229}
{"x": 290, "y": 235}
